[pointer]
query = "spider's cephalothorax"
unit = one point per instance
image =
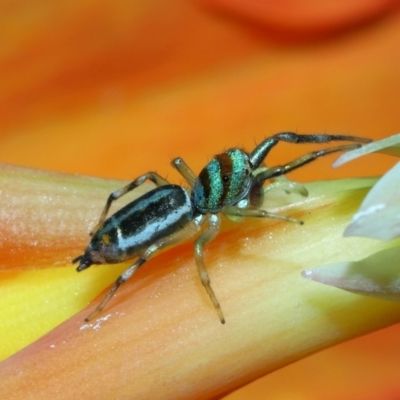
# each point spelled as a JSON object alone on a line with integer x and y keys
{"x": 235, "y": 178}
{"x": 225, "y": 180}
{"x": 232, "y": 183}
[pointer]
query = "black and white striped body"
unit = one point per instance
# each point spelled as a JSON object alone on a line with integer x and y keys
{"x": 145, "y": 221}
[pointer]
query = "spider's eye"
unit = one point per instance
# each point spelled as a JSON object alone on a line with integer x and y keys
{"x": 226, "y": 178}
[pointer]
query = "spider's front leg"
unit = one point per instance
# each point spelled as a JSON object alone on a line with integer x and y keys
{"x": 299, "y": 162}
{"x": 257, "y": 156}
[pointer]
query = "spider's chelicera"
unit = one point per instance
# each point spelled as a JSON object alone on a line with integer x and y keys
{"x": 231, "y": 184}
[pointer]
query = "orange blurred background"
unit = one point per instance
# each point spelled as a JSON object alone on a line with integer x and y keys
{"x": 117, "y": 89}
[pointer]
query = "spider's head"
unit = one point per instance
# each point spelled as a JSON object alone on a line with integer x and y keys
{"x": 224, "y": 181}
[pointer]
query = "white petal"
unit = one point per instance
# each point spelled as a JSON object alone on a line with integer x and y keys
{"x": 389, "y": 145}
{"x": 379, "y": 214}
{"x": 377, "y": 275}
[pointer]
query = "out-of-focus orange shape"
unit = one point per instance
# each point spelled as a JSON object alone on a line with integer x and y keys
{"x": 304, "y": 19}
